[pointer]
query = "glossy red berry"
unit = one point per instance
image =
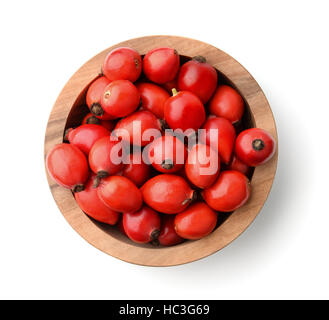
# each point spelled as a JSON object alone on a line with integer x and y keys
{"x": 106, "y": 157}
{"x": 122, "y": 64}
{"x": 199, "y": 77}
{"x": 202, "y": 166}
{"x": 120, "y": 98}
{"x": 136, "y": 170}
{"x": 142, "y": 226}
{"x": 120, "y": 194}
{"x": 238, "y": 165}
{"x": 93, "y": 98}
{"x": 229, "y": 192}
{"x": 184, "y": 110}
{"x": 160, "y": 65}
{"x": 167, "y": 154}
{"x": 167, "y": 193}
{"x": 90, "y": 203}
{"x": 196, "y": 222}
{"x": 86, "y": 135}
{"x": 153, "y": 98}
{"x": 255, "y": 146}
{"x": 68, "y": 166}
{"x": 220, "y": 135}
{"x": 139, "y": 128}
{"x": 168, "y": 235}
{"x": 227, "y": 103}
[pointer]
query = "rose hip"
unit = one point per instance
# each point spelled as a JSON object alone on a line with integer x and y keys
{"x": 105, "y": 158}
{"x": 122, "y": 64}
{"x": 199, "y": 77}
{"x": 167, "y": 154}
{"x": 168, "y": 193}
{"x": 160, "y": 65}
{"x": 120, "y": 98}
{"x": 229, "y": 192}
{"x": 89, "y": 202}
{"x": 168, "y": 235}
{"x": 153, "y": 98}
{"x": 68, "y": 166}
{"x": 86, "y": 135}
{"x": 142, "y": 226}
{"x": 120, "y": 194}
{"x": 93, "y": 98}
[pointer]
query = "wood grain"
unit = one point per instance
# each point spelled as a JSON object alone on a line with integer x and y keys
{"x": 70, "y": 105}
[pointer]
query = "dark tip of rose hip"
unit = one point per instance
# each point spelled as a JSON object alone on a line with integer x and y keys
{"x": 78, "y": 188}
{"x": 66, "y": 134}
{"x": 93, "y": 120}
{"x": 96, "y": 109}
{"x": 155, "y": 235}
{"x": 175, "y": 52}
{"x": 96, "y": 182}
{"x": 136, "y": 63}
{"x": 163, "y": 124}
{"x": 102, "y": 174}
{"x": 200, "y": 59}
{"x": 155, "y": 242}
{"x": 167, "y": 164}
{"x": 194, "y": 197}
{"x": 258, "y": 144}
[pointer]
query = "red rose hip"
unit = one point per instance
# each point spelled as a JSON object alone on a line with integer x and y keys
{"x": 167, "y": 154}
{"x": 199, "y": 77}
{"x": 120, "y": 98}
{"x": 153, "y": 98}
{"x": 136, "y": 170}
{"x": 90, "y": 203}
{"x": 68, "y": 166}
{"x": 222, "y": 130}
{"x": 105, "y": 158}
{"x": 160, "y": 65}
{"x": 229, "y": 192}
{"x": 168, "y": 235}
{"x": 139, "y": 128}
{"x": 238, "y": 165}
{"x": 167, "y": 193}
{"x": 142, "y": 226}
{"x": 122, "y": 64}
{"x": 120, "y": 194}
{"x": 86, "y": 135}
{"x": 184, "y": 110}
{"x": 255, "y": 146}
{"x": 196, "y": 222}
{"x": 227, "y": 103}
{"x": 202, "y": 166}
{"x": 93, "y": 98}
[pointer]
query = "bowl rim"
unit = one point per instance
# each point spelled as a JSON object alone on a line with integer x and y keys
{"x": 233, "y": 226}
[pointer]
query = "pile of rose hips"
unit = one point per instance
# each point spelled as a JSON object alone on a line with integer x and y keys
{"x": 157, "y": 164}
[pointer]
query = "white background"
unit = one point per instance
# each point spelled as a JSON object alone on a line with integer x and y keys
{"x": 283, "y": 44}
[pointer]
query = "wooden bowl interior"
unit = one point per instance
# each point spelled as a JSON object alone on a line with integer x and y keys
{"x": 79, "y": 110}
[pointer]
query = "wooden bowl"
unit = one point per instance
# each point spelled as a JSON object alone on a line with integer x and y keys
{"x": 69, "y": 110}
